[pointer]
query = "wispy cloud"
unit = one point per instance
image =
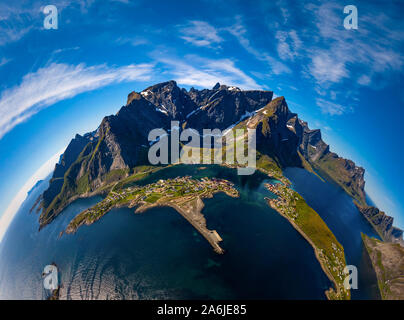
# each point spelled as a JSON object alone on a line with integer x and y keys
{"x": 330, "y": 107}
{"x": 203, "y": 72}
{"x": 12, "y": 33}
{"x": 325, "y": 68}
{"x": 200, "y": 33}
{"x": 239, "y": 31}
{"x": 133, "y": 41}
{"x": 56, "y": 82}
{"x": 340, "y": 50}
{"x": 335, "y": 58}
{"x": 18, "y": 18}
{"x": 66, "y": 49}
{"x": 4, "y": 61}
{"x": 289, "y": 44}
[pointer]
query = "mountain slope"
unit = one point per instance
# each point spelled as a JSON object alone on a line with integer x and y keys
{"x": 94, "y": 162}
{"x": 388, "y": 263}
{"x": 382, "y": 223}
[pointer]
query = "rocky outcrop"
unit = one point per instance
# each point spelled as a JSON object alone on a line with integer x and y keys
{"x": 388, "y": 264}
{"x": 70, "y": 155}
{"x": 382, "y": 223}
{"x": 274, "y": 138}
{"x": 311, "y": 146}
{"x": 114, "y": 149}
{"x": 121, "y": 141}
{"x": 328, "y": 164}
{"x": 169, "y": 99}
{"x": 224, "y": 106}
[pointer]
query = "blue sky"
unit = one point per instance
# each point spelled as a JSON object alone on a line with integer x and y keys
{"x": 56, "y": 83}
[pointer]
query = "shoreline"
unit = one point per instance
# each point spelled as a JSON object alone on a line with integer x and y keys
{"x": 209, "y": 235}
{"x": 189, "y": 207}
{"x": 316, "y": 253}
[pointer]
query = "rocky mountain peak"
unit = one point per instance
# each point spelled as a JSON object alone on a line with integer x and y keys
{"x": 163, "y": 86}
{"x": 120, "y": 143}
{"x": 169, "y": 99}
{"x": 279, "y": 107}
{"x": 133, "y": 96}
{"x": 224, "y": 106}
{"x": 382, "y": 223}
{"x": 219, "y": 86}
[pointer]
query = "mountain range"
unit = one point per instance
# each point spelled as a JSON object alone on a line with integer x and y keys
{"x": 93, "y": 162}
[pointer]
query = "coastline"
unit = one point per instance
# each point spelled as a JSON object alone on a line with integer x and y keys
{"x": 188, "y": 206}
{"x": 316, "y": 252}
{"x": 210, "y": 235}
{"x": 328, "y": 251}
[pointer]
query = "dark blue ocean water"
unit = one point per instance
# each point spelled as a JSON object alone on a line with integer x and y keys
{"x": 159, "y": 255}
{"x": 346, "y": 222}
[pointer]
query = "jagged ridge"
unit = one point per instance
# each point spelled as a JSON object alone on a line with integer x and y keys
{"x": 120, "y": 143}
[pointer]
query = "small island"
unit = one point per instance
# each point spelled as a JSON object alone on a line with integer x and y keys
{"x": 329, "y": 252}
{"x": 184, "y": 194}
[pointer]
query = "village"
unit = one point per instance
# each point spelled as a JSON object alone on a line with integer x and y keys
{"x": 162, "y": 190}
{"x": 285, "y": 202}
{"x": 330, "y": 255}
{"x": 184, "y": 194}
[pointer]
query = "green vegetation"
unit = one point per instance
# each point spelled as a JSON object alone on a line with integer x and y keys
{"x": 307, "y": 166}
{"x": 97, "y": 147}
{"x": 138, "y": 173}
{"x": 268, "y": 166}
{"x": 83, "y": 184}
{"x": 266, "y": 130}
{"x": 115, "y": 175}
{"x": 328, "y": 250}
{"x": 72, "y": 188}
{"x": 334, "y": 168}
{"x": 388, "y": 263}
{"x": 153, "y": 197}
{"x": 163, "y": 192}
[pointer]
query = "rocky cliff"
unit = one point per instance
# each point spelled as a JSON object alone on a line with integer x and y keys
{"x": 382, "y": 223}
{"x": 121, "y": 141}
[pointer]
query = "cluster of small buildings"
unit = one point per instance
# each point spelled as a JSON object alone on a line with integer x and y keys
{"x": 164, "y": 187}
{"x": 284, "y": 201}
{"x": 336, "y": 255}
{"x": 338, "y": 261}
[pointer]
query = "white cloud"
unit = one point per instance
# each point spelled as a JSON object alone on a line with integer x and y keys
{"x": 374, "y": 47}
{"x": 202, "y": 72}
{"x": 330, "y": 107}
{"x": 364, "y": 80}
{"x": 240, "y": 32}
{"x": 201, "y": 34}
{"x": 8, "y": 34}
{"x": 18, "y": 18}
{"x": 19, "y": 198}
{"x": 56, "y": 82}
{"x": 4, "y": 61}
{"x": 133, "y": 41}
{"x": 285, "y": 13}
{"x": 326, "y": 68}
{"x": 288, "y": 44}
{"x": 66, "y": 49}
